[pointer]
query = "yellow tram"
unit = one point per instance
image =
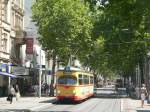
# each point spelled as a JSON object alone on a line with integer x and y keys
{"x": 74, "y": 84}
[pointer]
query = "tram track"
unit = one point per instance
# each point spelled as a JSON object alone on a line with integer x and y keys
{"x": 113, "y": 105}
{"x": 98, "y": 103}
{"x": 109, "y": 108}
{"x": 73, "y": 108}
{"x": 95, "y": 104}
{"x": 57, "y": 107}
{"x": 77, "y": 108}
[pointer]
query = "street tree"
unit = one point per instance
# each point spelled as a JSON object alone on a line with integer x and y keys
{"x": 132, "y": 24}
{"x": 124, "y": 25}
{"x": 64, "y": 26}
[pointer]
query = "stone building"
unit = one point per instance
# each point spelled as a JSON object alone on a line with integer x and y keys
{"x": 11, "y": 37}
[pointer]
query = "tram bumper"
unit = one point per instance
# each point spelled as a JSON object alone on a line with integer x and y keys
{"x": 69, "y": 98}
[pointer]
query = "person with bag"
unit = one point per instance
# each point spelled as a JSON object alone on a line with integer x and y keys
{"x": 17, "y": 92}
{"x": 143, "y": 93}
{"x": 11, "y": 94}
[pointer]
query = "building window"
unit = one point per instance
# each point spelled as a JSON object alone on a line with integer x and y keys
{"x": 13, "y": 20}
{"x": 12, "y": 49}
{"x": 17, "y": 2}
{"x": 16, "y": 21}
{"x": 4, "y": 42}
{"x": 21, "y": 23}
{"x": 21, "y": 4}
{"x": 5, "y": 12}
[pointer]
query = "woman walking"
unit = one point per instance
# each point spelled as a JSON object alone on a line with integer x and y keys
{"x": 143, "y": 94}
{"x": 17, "y": 92}
{"x": 11, "y": 94}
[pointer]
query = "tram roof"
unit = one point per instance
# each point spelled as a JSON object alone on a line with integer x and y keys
{"x": 69, "y": 69}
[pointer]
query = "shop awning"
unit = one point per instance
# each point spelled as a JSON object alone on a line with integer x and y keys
{"x": 8, "y": 74}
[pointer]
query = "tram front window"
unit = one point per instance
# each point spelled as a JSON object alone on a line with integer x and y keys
{"x": 69, "y": 80}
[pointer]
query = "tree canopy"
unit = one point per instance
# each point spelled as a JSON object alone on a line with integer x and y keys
{"x": 64, "y": 25}
{"x": 124, "y": 28}
{"x": 109, "y": 37}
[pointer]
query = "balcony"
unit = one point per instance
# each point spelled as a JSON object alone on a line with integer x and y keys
{"x": 20, "y": 36}
{"x": 5, "y": 1}
{"x": 17, "y": 8}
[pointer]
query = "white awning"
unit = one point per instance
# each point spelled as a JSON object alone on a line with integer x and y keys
{"x": 8, "y": 74}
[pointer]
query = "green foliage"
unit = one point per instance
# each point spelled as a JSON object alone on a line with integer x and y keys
{"x": 124, "y": 26}
{"x": 63, "y": 25}
{"x": 109, "y": 39}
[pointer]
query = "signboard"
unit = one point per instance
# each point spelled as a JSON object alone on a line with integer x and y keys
{"x": 3, "y": 68}
{"x": 42, "y": 67}
{"x": 29, "y": 57}
{"x": 29, "y": 45}
{"x": 20, "y": 71}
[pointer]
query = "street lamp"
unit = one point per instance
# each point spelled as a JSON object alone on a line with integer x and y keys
{"x": 148, "y": 68}
{"x": 40, "y": 75}
{"x": 148, "y": 75}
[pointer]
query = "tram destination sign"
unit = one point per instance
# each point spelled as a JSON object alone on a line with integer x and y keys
{"x": 67, "y": 69}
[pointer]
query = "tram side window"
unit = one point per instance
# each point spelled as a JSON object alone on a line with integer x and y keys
{"x": 69, "y": 80}
{"x": 86, "y": 79}
{"x": 80, "y": 79}
{"x": 91, "y": 80}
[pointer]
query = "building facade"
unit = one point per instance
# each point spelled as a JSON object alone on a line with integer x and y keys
{"x": 11, "y": 36}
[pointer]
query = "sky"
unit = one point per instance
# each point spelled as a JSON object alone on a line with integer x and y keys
{"x": 29, "y": 26}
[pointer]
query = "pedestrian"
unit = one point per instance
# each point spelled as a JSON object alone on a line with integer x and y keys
{"x": 36, "y": 88}
{"x": 52, "y": 88}
{"x": 143, "y": 93}
{"x": 131, "y": 90}
{"x": 17, "y": 92}
{"x": 46, "y": 88}
{"x": 11, "y": 94}
{"x": 127, "y": 89}
{"x": 42, "y": 87}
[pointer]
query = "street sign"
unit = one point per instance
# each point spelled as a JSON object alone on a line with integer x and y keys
{"x": 67, "y": 69}
{"x": 20, "y": 71}
{"x": 29, "y": 57}
{"x": 29, "y": 45}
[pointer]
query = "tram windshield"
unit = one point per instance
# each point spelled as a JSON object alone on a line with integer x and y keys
{"x": 69, "y": 80}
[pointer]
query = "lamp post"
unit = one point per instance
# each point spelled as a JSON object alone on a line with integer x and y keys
{"x": 40, "y": 74}
{"x": 9, "y": 71}
{"x": 148, "y": 75}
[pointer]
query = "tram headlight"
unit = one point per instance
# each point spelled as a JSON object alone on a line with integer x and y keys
{"x": 58, "y": 91}
{"x": 74, "y": 91}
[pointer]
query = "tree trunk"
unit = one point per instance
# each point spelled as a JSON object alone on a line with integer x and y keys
{"x": 141, "y": 65}
{"x": 52, "y": 86}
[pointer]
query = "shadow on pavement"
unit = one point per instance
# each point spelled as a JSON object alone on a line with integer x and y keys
{"x": 15, "y": 110}
{"x": 56, "y": 102}
{"x": 69, "y": 102}
{"x": 104, "y": 93}
{"x": 24, "y": 110}
{"x": 111, "y": 96}
{"x": 143, "y": 110}
{"x": 49, "y": 101}
{"x": 51, "y": 111}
